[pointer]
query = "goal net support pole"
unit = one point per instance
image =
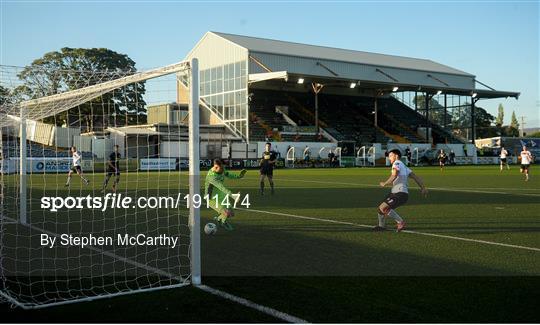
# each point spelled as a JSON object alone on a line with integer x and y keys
{"x": 22, "y": 170}
{"x": 194, "y": 173}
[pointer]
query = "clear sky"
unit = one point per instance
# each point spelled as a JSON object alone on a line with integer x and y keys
{"x": 496, "y": 41}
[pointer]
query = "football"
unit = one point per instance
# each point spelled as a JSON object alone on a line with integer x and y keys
{"x": 210, "y": 228}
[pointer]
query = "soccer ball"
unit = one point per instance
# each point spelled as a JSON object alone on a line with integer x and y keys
{"x": 210, "y": 228}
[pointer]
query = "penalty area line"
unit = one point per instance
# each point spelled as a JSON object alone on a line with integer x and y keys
{"x": 245, "y": 302}
{"x": 535, "y": 249}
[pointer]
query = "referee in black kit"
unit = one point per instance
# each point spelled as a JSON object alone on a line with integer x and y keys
{"x": 267, "y": 163}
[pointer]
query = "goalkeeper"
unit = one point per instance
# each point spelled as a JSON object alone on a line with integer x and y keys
{"x": 214, "y": 185}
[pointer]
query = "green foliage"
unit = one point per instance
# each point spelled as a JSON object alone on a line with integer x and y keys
{"x": 460, "y": 116}
{"x": 500, "y": 116}
{"x": 74, "y": 68}
{"x": 513, "y": 129}
{"x": 484, "y": 124}
{"x": 436, "y": 110}
{"x": 514, "y": 122}
{"x": 5, "y": 97}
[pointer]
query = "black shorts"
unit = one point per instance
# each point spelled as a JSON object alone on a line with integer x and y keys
{"x": 267, "y": 171}
{"x": 503, "y": 160}
{"x": 115, "y": 172}
{"x": 525, "y": 167}
{"x": 76, "y": 169}
{"x": 395, "y": 200}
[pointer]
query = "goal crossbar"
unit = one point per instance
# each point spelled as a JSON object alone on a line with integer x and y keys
{"x": 69, "y": 99}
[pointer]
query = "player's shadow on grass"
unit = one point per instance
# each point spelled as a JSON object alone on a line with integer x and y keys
{"x": 393, "y": 299}
{"x": 299, "y": 248}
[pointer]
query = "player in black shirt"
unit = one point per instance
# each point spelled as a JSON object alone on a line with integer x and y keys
{"x": 267, "y": 163}
{"x": 113, "y": 168}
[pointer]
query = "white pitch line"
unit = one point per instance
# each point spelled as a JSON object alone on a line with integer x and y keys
{"x": 404, "y": 231}
{"x": 242, "y": 301}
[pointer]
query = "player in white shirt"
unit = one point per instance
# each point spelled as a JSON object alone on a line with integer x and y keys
{"x": 504, "y": 157}
{"x": 442, "y": 159}
{"x": 399, "y": 193}
{"x": 76, "y": 168}
{"x": 526, "y": 160}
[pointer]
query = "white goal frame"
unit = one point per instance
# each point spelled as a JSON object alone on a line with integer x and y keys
{"x": 24, "y": 111}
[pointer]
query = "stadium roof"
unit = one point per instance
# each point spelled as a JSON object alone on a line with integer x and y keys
{"x": 274, "y": 59}
{"x": 329, "y": 53}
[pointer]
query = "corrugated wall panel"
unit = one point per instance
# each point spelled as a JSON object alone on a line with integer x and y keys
{"x": 43, "y": 133}
{"x": 63, "y": 137}
{"x": 309, "y": 67}
{"x": 83, "y": 143}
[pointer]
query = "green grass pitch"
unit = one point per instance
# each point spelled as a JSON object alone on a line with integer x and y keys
{"x": 471, "y": 252}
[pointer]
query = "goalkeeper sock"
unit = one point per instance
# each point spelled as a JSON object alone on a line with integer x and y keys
{"x": 262, "y": 187}
{"x": 393, "y": 214}
{"x": 382, "y": 223}
{"x": 272, "y": 186}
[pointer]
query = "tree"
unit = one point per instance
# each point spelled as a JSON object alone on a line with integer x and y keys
{"x": 483, "y": 121}
{"x": 5, "y": 96}
{"x": 461, "y": 121}
{"x": 436, "y": 110}
{"x": 513, "y": 129}
{"x": 500, "y": 116}
{"x": 514, "y": 122}
{"x": 74, "y": 68}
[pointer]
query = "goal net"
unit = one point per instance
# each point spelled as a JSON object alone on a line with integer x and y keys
{"x": 94, "y": 173}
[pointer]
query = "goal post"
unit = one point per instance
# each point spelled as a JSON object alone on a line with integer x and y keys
{"x": 88, "y": 136}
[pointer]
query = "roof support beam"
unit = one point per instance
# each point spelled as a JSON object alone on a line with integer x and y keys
{"x": 327, "y": 69}
{"x": 259, "y": 63}
{"x": 483, "y": 84}
{"x": 437, "y": 79}
{"x": 386, "y": 75}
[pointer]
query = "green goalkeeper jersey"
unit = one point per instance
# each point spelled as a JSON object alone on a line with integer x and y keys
{"x": 215, "y": 182}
